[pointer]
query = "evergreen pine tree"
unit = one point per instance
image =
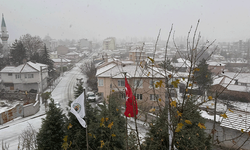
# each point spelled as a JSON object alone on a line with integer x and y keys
{"x": 18, "y": 53}
{"x": 51, "y": 134}
{"x": 76, "y": 133}
{"x": 45, "y": 59}
{"x": 191, "y": 136}
{"x": 110, "y": 134}
{"x": 132, "y": 141}
{"x": 35, "y": 57}
{"x": 203, "y": 75}
{"x": 157, "y": 136}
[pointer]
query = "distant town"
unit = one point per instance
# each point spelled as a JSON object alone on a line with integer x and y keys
{"x": 31, "y": 66}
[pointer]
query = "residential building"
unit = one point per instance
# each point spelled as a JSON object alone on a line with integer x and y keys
{"x": 58, "y": 62}
{"x": 215, "y": 67}
{"x": 62, "y": 50}
{"x": 111, "y": 79}
{"x": 137, "y": 55}
{"x": 53, "y": 55}
{"x": 73, "y": 56}
{"x": 84, "y": 44}
{"x": 25, "y": 77}
{"x": 109, "y": 44}
{"x": 235, "y": 86}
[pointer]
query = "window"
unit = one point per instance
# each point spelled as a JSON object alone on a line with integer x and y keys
{"x": 244, "y": 84}
{"x": 18, "y": 76}
{"x": 139, "y": 96}
{"x": 152, "y": 83}
{"x": 100, "y": 82}
{"x": 154, "y": 97}
{"x": 29, "y": 76}
{"x": 138, "y": 83}
{"x": 121, "y": 82}
{"x": 122, "y": 95}
{"x": 9, "y": 74}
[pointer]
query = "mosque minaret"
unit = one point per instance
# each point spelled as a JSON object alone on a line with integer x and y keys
{"x": 4, "y": 37}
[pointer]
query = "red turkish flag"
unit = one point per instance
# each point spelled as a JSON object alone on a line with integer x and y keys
{"x": 131, "y": 104}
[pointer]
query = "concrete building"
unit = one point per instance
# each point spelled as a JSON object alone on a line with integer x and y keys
{"x": 25, "y": 77}
{"x": 58, "y": 62}
{"x": 62, "y": 50}
{"x": 111, "y": 79}
{"x": 215, "y": 67}
{"x": 84, "y": 45}
{"x": 109, "y": 44}
{"x": 137, "y": 55}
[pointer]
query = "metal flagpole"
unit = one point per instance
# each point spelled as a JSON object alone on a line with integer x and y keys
{"x": 86, "y": 119}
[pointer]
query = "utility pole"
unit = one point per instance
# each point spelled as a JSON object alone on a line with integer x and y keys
{"x": 41, "y": 70}
{"x": 61, "y": 67}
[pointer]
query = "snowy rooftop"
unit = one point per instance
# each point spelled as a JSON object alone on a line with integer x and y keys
{"x": 105, "y": 68}
{"x": 242, "y": 77}
{"x": 239, "y": 88}
{"x": 213, "y": 63}
{"x": 27, "y": 67}
{"x": 72, "y": 53}
{"x": 57, "y": 60}
{"x": 116, "y": 71}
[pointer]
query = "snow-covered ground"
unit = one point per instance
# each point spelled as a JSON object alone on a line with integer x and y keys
{"x": 63, "y": 92}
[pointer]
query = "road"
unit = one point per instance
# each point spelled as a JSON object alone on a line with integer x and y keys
{"x": 63, "y": 92}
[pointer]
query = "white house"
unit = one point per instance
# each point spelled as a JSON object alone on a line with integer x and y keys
{"x": 24, "y": 77}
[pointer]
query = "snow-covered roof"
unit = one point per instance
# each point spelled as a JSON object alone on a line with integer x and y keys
{"x": 131, "y": 71}
{"x": 105, "y": 68}
{"x": 127, "y": 62}
{"x": 57, "y": 60}
{"x": 239, "y": 88}
{"x": 72, "y": 53}
{"x": 217, "y": 80}
{"x": 237, "y": 120}
{"x": 241, "y": 77}
{"x": 213, "y": 63}
{"x": 27, "y": 67}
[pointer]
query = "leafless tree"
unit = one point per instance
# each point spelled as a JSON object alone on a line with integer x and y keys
{"x": 31, "y": 43}
{"x": 27, "y": 140}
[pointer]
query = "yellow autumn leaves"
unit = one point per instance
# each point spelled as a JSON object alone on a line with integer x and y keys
{"x": 106, "y": 119}
{"x": 109, "y": 126}
{"x": 180, "y": 125}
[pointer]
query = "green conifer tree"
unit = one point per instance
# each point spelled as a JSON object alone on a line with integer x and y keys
{"x": 51, "y": 134}
{"x": 18, "y": 53}
{"x": 111, "y": 134}
{"x": 45, "y": 59}
{"x": 203, "y": 75}
{"x": 75, "y": 132}
{"x": 157, "y": 136}
{"x": 191, "y": 136}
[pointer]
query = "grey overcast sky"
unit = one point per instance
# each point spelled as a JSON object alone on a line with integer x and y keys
{"x": 224, "y": 20}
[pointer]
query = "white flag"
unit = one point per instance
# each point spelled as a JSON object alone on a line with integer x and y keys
{"x": 78, "y": 109}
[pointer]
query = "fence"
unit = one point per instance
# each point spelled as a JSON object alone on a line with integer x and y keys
{"x": 20, "y": 111}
